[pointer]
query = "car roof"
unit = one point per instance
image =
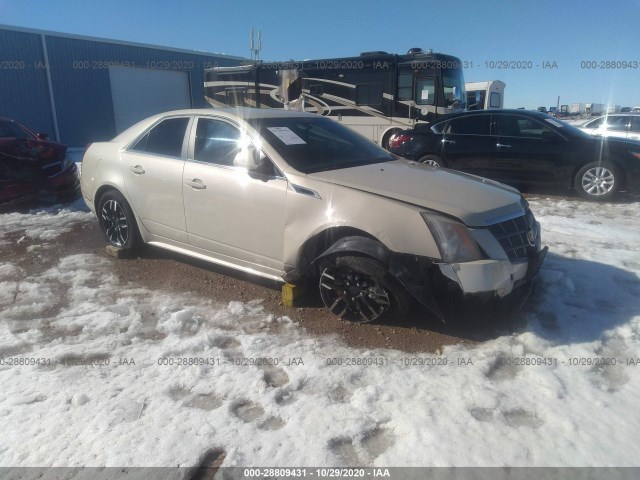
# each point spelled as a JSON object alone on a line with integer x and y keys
{"x": 242, "y": 112}
{"x": 515, "y": 111}
{"x": 618, "y": 114}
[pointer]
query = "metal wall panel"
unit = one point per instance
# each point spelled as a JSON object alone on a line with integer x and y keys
{"x": 24, "y": 94}
{"x": 79, "y": 69}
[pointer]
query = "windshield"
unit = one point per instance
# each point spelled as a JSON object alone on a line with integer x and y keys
{"x": 319, "y": 144}
{"x": 566, "y": 127}
{"x": 453, "y": 86}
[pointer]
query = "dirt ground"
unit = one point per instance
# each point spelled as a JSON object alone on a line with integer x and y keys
{"x": 157, "y": 269}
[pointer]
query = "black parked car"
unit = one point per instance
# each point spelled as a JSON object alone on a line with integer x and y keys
{"x": 522, "y": 148}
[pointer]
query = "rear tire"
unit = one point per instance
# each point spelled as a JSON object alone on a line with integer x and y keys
{"x": 117, "y": 221}
{"x": 432, "y": 161}
{"x": 598, "y": 181}
{"x": 360, "y": 290}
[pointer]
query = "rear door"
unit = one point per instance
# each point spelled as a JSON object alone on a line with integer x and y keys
{"x": 152, "y": 168}
{"x": 468, "y": 144}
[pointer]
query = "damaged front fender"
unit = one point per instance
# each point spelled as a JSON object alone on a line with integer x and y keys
{"x": 411, "y": 271}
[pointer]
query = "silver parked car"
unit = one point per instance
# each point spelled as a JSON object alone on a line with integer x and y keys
{"x": 294, "y": 196}
{"x": 622, "y": 125}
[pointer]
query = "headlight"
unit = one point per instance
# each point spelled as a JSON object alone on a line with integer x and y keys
{"x": 453, "y": 238}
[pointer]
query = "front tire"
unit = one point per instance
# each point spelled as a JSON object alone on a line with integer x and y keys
{"x": 117, "y": 221}
{"x": 359, "y": 289}
{"x": 598, "y": 181}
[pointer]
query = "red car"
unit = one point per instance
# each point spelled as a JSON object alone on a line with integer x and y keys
{"x": 31, "y": 166}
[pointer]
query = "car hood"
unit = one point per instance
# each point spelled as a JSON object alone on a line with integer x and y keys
{"x": 476, "y": 201}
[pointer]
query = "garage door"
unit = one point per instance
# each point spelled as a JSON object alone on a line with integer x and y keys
{"x": 138, "y": 93}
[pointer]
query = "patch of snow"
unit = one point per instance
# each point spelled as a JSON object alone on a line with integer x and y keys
{"x": 112, "y": 374}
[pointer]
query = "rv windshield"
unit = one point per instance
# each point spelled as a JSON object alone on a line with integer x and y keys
{"x": 453, "y": 85}
{"x": 317, "y": 144}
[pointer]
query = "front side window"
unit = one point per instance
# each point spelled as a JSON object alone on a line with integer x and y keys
{"x": 453, "y": 88}
{"x": 166, "y": 138}
{"x": 635, "y": 124}
{"x": 470, "y": 125}
{"x": 426, "y": 91}
{"x": 516, "y": 126}
{"x": 216, "y": 142}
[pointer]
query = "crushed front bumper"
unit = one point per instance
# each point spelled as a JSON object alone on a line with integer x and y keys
{"x": 498, "y": 276}
{"x": 485, "y": 278}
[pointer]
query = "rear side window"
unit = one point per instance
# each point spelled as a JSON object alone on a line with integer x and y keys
{"x": 166, "y": 138}
{"x": 471, "y": 125}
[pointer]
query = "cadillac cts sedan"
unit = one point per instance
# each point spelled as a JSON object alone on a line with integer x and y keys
{"x": 294, "y": 196}
{"x": 32, "y": 166}
{"x": 524, "y": 148}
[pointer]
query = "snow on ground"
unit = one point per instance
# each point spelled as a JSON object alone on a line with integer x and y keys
{"x": 101, "y": 391}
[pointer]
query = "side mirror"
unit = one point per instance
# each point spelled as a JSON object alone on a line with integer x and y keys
{"x": 42, "y": 136}
{"x": 249, "y": 157}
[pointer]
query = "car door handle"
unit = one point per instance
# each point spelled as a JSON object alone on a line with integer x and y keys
{"x": 444, "y": 140}
{"x": 196, "y": 183}
{"x": 137, "y": 169}
{"x": 502, "y": 145}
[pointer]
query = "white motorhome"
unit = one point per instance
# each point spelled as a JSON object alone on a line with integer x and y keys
{"x": 376, "y": 93}
{"x": 485, "y": 95}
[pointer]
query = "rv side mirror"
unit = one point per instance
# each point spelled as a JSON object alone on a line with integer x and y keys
{"x": 249, "y": 157}
{"x": 42, "y": 136}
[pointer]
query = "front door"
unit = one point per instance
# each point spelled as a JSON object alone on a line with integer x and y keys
{"x": 233, "y": 214}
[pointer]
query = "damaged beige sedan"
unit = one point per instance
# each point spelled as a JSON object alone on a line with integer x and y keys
{"x": 298, "y": 197}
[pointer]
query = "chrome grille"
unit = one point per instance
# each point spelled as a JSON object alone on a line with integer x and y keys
{"x": 512, "y": 235}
